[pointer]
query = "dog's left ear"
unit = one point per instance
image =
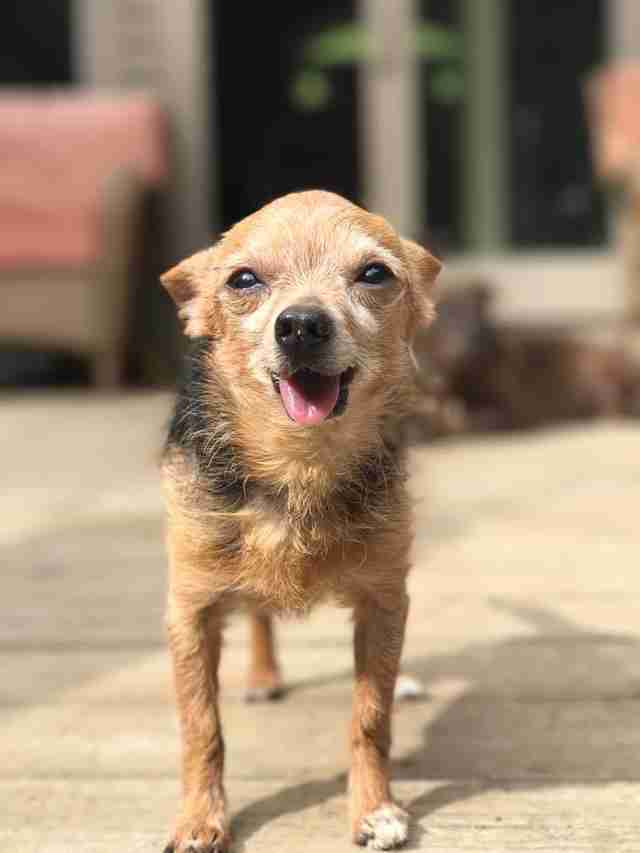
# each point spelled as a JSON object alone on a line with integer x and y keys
{"x": 424, "y": 269}
{"x": 183, "y": 283}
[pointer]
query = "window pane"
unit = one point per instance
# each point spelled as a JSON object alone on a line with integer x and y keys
{"x": 441, "y": 80}
{"x": 35, "y": 43}
{"x": 552, "y": 46}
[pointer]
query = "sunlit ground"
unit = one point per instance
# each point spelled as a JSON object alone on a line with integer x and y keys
{"x": 523, "y": 631}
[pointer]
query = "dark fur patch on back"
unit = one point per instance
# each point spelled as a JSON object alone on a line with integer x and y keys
{"x": 189, "y": 414}
{"x": 194, "y": 430}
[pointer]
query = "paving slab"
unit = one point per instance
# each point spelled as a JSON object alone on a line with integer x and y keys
{"x": 524, "y": 632}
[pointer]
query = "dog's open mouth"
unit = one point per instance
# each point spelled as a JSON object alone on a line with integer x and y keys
{"x": 310, "y": 397}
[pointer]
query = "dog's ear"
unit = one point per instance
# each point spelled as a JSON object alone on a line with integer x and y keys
{"x": 424, "y": 269}
{"x": 183, "y": 284}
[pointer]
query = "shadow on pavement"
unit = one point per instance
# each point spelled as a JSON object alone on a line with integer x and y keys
{"x": 556, "y": 707}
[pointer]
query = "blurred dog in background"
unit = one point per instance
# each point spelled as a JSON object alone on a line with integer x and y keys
{"x": 477, "y": 375}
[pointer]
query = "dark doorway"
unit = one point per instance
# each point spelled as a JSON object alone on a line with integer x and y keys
{"x": 552, "y": 46}
{"x": 268, "y": 143}
{"x": 441, "y": 131}
{"x": 35, "y": 43}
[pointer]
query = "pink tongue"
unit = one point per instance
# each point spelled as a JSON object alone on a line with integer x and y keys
{"x": 309, "y": 403}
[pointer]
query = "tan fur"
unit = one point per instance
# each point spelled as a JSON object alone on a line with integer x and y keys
{"x": 264, "y": 676}
{"x": 294, "y": 539}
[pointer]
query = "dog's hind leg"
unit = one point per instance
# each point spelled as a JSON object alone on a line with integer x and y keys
{"x": 379, "y": 633}
{"x": 264, "y": 682}
{"x": 195, "y": 641}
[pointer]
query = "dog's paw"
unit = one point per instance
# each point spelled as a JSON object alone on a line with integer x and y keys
{"x": 196, "y": 845}
{"x": 264, "y": 687}
{"x": 383, "y": 829}
{"x": 215, "y": 843}
{"x": 210, "y": 835}
{"x": 408, "y": 688}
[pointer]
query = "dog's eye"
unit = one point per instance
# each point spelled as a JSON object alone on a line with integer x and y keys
{"x": 243, "y": 280}
{"x": 375, "y": 274}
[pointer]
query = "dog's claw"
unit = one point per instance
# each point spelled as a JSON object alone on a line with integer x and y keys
{"x": 211, "y": 842}
{"x": 383, "y": 829}
{"x": 215, "y": 846}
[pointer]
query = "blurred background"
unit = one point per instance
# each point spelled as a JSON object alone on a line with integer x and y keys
{"x": 133, "y": 132}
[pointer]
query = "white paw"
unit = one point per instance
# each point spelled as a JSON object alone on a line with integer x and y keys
{"x": 385, "y": 828}
{"x": 408, "y": 687}
{"x": 264, "y": 694}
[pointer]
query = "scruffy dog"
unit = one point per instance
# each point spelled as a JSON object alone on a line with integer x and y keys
{"x": 285, "y": 477}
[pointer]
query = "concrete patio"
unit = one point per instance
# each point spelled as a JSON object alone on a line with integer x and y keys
{"x": 524, "y": 630}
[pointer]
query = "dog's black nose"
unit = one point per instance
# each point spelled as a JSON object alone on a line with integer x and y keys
{"x": 300, "y": 329}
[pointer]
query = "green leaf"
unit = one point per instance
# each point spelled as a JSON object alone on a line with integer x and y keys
{"x": 342, "y": 45}
{"x": 434, "y": 42}
{"x": 350, "y": 43}
{"x": 311, "y": 90}
{"x": 446, "y": 85}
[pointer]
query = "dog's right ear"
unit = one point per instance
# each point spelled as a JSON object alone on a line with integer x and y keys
{"x": 183, "y": 283}
{"x": 424, "y": 270}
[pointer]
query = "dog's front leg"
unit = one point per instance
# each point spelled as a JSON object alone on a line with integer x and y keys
{"x": 378, "y": 638}
{"x": 195, "y": 640}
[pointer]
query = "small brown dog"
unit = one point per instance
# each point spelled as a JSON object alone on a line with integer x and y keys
{"x": 284, "y": 476}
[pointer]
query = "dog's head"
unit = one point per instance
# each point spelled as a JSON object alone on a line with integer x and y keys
{"x": 311, "y": 304}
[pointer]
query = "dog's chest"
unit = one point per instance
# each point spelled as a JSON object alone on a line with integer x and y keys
{"x": 290, "y": 563}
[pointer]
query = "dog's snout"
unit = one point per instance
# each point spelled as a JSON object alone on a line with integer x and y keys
{"x": 301, "y": 329}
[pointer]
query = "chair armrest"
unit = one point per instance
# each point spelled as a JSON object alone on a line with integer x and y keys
{"x": 120, "y": 213}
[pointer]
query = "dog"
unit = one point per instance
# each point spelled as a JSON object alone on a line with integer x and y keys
{"x": 284, "y": 474}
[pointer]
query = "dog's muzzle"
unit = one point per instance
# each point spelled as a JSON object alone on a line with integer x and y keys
{"x": 309, "y": 392}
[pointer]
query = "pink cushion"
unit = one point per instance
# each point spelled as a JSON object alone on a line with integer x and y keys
{"x": 613, "y": 95}
{"x": 56, "y": 151}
